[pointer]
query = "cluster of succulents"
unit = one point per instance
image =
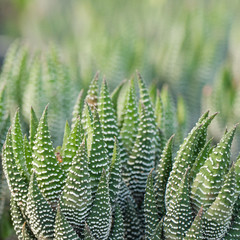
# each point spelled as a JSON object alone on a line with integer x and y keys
{"x": 116, "y": 177}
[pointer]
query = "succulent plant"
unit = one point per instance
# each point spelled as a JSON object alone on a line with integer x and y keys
{"x": 117, "y": 179}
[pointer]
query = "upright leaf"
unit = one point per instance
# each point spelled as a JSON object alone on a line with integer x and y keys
{"x": 76, "y": 197}
{"x": 40, "y": 214}
{"x": 142, "y": 158}
{"x": 162, "y": 174}
{"x": 100, "y": 216}
{"x": 63, "y": 230}
{"x": 92, "y": 94}
{"x": 98, "y": 159}
{"x": 17, "y": 142}
{"x": 217, "y": 218}
{"x": 186, "y": 155}
{"x": 72, "y": 145}
{"x": 117, "y": 231}
{"x": 78, "y": 108}
{"x": 115, "y": 174}
{"x": 210, "y": 177}
{"x": 109, "y": 124}
{"x": 48, "y": 172}
{"x": 130, "y": 119}
{"x": 179, "y": 214}
{"x": 20, "y": 224}
{"x": 33, "y": 127}
{"x": 17, "y": 182}
{"x": 150, "y": 208}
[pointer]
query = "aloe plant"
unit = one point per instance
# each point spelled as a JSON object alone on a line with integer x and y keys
{"x": 96, "y": 187}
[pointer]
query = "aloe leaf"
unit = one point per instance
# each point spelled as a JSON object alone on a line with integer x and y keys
{"x": 162, "y": 174}
{"x": 76, "y": 197}
{"x": 210, "y": 177}
{"x": 100, "y": 216}
{"x": 48, "y": 171}
{"x": 40, "y": 214}
{"x": 179, "y": 214}
{"x": 150, "y": 208}
{"x": 62, "y": 229}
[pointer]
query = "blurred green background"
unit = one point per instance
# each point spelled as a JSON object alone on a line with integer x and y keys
{"x": 193, "y": 47}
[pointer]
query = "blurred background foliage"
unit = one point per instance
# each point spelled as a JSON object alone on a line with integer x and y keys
{"x": 188, "y": 49}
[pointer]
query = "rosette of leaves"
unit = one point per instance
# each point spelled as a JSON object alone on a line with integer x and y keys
{"x": 115, "y": 178}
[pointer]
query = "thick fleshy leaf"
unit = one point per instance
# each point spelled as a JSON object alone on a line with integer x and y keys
{"x": 63, "y": 230}
{"x": 128, "y": 208}
{"x": 109, "y": 123}
{"x": 115, "y": 174}
{"x": 78, "y": 108}
{"x": 66, "y": 135}
{"x": 76, "y": 197}
{"x": 73, "y": 143}
{"x": 28, "y": 154}
{"x": 40, "y": 214}
{"x": 195, "y": 231}
{"x": 17, "y": 143}
{"x": 162, "y": 174}
{"x": 45, "y": 165}
{"x": 100, "y": 216}
{"x": 130, "y": 119}
{"x": 33, "y": 127}
{"x": 150, "y": 208}
{"x": 92, "y": 94}
{"x": 117, "y": 231}
{"x": 158, "y": 233}
{"x": 210, "y": 177}
{"x": 142, "y": 158}
{"x": 17, "y": 182}
{"x": 19, "y": 222}
{"x": 179, "y": 214}
{"x": 98, "y": 159}
{"x": 186, "y": 154}
{"x": 217, "y": 219}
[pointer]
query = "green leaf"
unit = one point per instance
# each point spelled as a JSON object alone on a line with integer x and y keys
{"x": 98, "y": 159}
{"x": 78, "y": 107}
{"x": 162, "y": 174}
{"x": 33, "y": 127}
{"x": 76, "y": 197}
{"x": 19, "y": 222}
{"x": 115, "y": 94}
{"x": 17, "y": 182}
{"x": 216, "y": 220}
{"x": 149, "y": 111}
{"x": 188, "y": 151}
{"x": 179, "y": 214}
{"x": 109, "y": 125}
{"x": 67, "y": 131}
{"x": 40, "y": 214}
{"x": 142, "y": 158}
{"x": 17, "y": 143}
{"x": 117, "y": 231}
{"x": 200, "y": 160}
{"x": 195, "y": 231}
{"x": 73, "y": 143}
{"x": 87, "y": 123}
{"x": 130, "y": 119}
{"x": 87, "y": 233}
{"x": 128, "y": 208}
{"x": 92, "y": 94}
{"x": 169, "y": 126}
{"x": 100, "y": 216}
{"x": 150, "y": 208}
{"x": 115, "y": 174}
{"x": 28, "y": 154}
{"x": 210, "y": 177}
{"x": 158, "y": 233}
{"x": 63, "y": 230}
{"x": 48, "y": 172}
